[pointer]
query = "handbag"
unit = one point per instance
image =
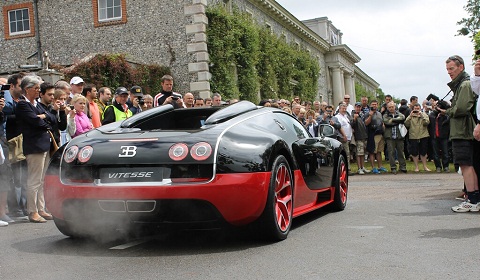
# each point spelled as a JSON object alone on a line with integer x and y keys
{"x": 15, "y": 149}
{"x": 54, "y": 146}
{"x": 403, "y": 129}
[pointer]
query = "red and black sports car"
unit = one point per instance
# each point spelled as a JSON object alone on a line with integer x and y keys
{"x": 200, "y": 167}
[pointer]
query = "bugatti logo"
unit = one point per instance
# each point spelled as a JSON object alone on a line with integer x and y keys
{"x": 128, "y": 151}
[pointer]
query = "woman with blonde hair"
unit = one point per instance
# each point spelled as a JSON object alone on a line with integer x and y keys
{"x": 82, "y": 122}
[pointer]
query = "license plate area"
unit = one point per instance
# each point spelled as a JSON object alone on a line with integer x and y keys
{"x": 132, "y": 174}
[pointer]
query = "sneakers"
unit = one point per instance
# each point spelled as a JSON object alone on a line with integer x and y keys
{"x": 7, "y": 219}
{"x": 394, "y": 171}
{"x": 382, "y": 169}
{"x": 461, "y": 197}
{"x": 3, "y": 224}
{"x": 360, "y": 171}
{"x": 466, "y": 206}
{"x": 439, "y": 170}
{"x": 375, "y": 171}
{"x": 366, "y": 170}
{"x": 446, "y": 170}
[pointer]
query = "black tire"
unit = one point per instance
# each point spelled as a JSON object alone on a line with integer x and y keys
{"x": 341, "y": 185}
{"x": 65, "y": 228}
{"x": 276, "y": 219}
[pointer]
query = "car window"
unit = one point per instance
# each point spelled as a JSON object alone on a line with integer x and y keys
{"x": 293, "y": 124}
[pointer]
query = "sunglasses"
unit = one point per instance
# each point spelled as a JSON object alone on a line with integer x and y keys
{"x": 456, "y": 58}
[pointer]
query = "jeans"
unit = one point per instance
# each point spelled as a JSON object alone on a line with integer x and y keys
{"x": 440, "y": 152}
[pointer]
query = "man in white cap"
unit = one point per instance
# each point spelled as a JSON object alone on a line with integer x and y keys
{"x": 76, "y": 83}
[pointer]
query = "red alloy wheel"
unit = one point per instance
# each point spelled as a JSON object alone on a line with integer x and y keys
{"x": 343, "y": 186}
{"x": 283, "y": 198}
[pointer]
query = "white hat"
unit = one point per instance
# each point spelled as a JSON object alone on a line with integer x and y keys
{"x": 76, "y": 80}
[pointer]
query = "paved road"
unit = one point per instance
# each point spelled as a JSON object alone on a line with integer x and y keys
{"x": 395, "y": 226}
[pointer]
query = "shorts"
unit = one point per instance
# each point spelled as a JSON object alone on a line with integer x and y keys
{"x": 379, "y": 144}
{"x": 361, "y": 147}
{"x": 462, "y": 152}
{"x": 418, "y": 146}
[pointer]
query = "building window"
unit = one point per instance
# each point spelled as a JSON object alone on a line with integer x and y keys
{"x": 18, "y": 21}
{"x": 109, "y": 12}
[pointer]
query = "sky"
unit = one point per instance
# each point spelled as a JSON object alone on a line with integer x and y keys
{"x": 403, "y": 45}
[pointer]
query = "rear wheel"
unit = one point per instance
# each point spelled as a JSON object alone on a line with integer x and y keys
{"x": 341, "y": 186}
{"x": 64, "y": 227}
{"x": 276, "y": 220}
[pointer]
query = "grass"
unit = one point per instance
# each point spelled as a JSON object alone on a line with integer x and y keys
{"x": 410, "y": 166}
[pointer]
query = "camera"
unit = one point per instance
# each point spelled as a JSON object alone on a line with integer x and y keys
{"x": 372, "y": 108}
{"x": 71, "y": 107}
{"x": 2, "y": 94}
{"x": 5, "y": 87}
{"x": 175, "y": 97}
{"x": 141, "y": 102}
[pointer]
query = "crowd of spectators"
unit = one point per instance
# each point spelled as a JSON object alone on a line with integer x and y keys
{"x": 45, "y": 115}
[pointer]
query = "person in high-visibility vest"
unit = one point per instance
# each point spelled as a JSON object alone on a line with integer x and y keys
{"x": 118, "y": 111}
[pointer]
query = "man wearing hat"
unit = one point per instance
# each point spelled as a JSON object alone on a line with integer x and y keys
{"x": 76, "y": 83}
{"x": 135, "y": 101}
{"x": 118, "y": 111}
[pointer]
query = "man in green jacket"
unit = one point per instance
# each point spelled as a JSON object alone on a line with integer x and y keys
{"x": 462, "y": 124}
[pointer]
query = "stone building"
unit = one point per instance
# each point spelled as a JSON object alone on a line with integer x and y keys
{"x": 170, "y": 33}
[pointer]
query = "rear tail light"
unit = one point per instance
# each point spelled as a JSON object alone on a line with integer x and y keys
{"x": 85, "y": 154}
{"x": 70, "y": 154}
{"x": 178, "y": 151}
{"x": 201, "y": 151}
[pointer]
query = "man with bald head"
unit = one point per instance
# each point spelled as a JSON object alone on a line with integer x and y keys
{"x": 188, "y": 100}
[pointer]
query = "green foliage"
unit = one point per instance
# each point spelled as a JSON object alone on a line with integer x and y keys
{"x": 113, "y": 70}
{"x": 362, "y": 91}
{"x": 471, "y": 25}
{"x": 247, "y": 60}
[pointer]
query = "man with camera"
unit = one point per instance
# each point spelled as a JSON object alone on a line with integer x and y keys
{"x": 439, "y": 130}
{"x": 375, "y": 142}
{"x": 167, "y": 96}
{"x": 462, "y": 124}
{"x": 328, "y": 118}
{"x": 394, "y": 138}
{"x": 135, "y": 100}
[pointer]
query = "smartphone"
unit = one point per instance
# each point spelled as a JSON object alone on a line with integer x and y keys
{"x": 2, "y": 95}
{"x": 6, "y": 87}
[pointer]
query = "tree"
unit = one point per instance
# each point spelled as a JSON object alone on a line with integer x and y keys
{"x": 471, "y": 25}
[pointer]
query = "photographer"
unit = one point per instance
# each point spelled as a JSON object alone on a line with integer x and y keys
{"x": 375, "y": 142}
{"x": 439, "y": 133}
{"x": 417, "y": 124}
{"x": 328, "y": 118}
{"x": 167, "y": 96}
{"x": 135, "y": 100}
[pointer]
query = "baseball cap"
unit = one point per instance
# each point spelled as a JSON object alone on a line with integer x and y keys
{"x": 121, "y": 90}
{"x": 358, "y": 104}
{"x": 76, "y": 80}
{"x": 136, "y": 90}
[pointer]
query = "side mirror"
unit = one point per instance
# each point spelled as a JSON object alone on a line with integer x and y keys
{"x": 326, "y": 130}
